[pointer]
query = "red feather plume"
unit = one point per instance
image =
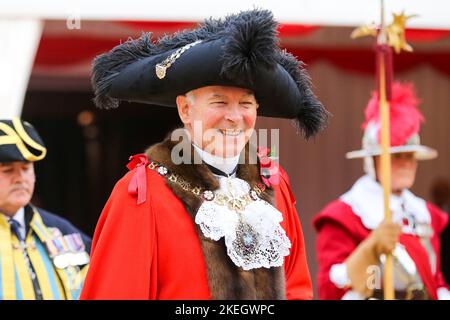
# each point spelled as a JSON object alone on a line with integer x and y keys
{"x": 405, "y": 117}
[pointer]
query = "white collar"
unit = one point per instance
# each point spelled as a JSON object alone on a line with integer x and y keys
{"x": 20, "y": 217}
{"x": 366, "y": 199}
{"x": 226, "y": 165}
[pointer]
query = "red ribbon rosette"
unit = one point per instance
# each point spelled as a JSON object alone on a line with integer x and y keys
{"x": 138, "y": 183}
{"x": 269, "y": 169}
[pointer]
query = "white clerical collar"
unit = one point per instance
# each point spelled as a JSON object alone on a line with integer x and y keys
{"x": 366, "y": 199}
{"x": 227, "y": 165}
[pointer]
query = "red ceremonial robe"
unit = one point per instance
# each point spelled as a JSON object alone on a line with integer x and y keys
{"x": 152, "y": 250}
{"x": 340, "y": 231}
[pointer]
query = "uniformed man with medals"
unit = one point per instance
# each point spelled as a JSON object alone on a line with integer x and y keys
{"x": 42, "y": 256}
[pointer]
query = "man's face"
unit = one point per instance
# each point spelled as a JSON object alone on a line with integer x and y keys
{"x": 16, "y": 185}
{"x": 220, "y": 119}
{"x": 403, "y": 170}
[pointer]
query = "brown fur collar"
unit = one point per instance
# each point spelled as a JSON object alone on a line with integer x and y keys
{"x": 226, "y": 280}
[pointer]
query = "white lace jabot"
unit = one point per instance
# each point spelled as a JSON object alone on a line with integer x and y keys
{"x": 253, "y": 236}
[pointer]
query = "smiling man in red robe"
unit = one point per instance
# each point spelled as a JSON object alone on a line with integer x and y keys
{"x": 195, "y": 218}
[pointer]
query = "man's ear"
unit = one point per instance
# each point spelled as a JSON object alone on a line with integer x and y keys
{"x": 183, "y": 109}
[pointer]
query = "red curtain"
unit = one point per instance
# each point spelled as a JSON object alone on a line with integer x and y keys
{"x": 62, "y": 51}
{"x": 363, "y": 60}
{"x": 286, "y": 30}
{"x": 428, "y": 35}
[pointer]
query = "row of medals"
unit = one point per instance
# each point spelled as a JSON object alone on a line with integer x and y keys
{"x": 68, "y": 250}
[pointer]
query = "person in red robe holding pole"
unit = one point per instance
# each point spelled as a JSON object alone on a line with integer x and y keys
{"x": 203, "y": 214}
{"x": 352, "y": 234}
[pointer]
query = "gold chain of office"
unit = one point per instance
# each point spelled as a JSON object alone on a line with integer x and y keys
{"x": 234, "y": 203}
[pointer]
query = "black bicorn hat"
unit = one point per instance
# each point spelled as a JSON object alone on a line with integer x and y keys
{"x": 240, "y": 50}
{"x": 19, "y": 141}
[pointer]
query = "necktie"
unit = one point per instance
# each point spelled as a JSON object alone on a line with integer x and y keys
{"x": 15, "y": 229}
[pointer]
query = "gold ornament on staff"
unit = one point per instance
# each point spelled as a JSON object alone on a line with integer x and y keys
{"x": 395, "y": 32}
{"x": 392, "y": 36}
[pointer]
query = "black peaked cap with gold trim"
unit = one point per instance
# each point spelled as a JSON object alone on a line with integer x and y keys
{"x": 19, "y": 141}
{"x": 240, "y": 50}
